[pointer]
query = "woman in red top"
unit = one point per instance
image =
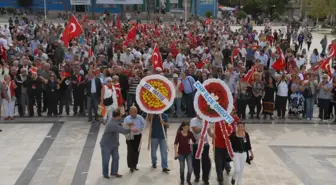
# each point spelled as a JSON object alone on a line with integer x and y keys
{"x": 183, "y": 150}
{"x": 9, "y": 104}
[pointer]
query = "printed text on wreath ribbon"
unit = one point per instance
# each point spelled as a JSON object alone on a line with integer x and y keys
{"x": 151, "y": 89}
{"x": 213, "y": 104}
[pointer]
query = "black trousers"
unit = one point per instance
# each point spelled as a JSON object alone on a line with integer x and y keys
{"x": 323, "y": 108}
{"x": 32, "y": 97}
{"x": 19, "y": 104}
{"x": 256, "y": 102}
{"x": 52, "y": 102}
{"x": 221, "y": 162}
{"x": 45, "y": 100}
{"x": 241, "y": 108}
{"x": 308, "y": 45}
{"x": 189, "y": 100}
{"x": 132, "y": 151}
{"x": 249, "y": 64}
{"x": 280, "y": 104}
{"x": 205, "y": 160}
{"x": 64, "y": 101}
{"x": 78, "y": 96}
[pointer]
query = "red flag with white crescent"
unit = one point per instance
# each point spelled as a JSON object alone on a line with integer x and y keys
{"x": 156, "y": 58}
{"x": 72, "y": 30}
{"x": 249, "y": 74}
{"x": 207, "y": 21}
{"x": 280, "y": 63}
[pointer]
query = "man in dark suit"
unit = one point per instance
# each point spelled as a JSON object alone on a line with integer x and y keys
{"x": 93, "y": 87}
{"x": 85, "y": 65}
{"x": 110, "y": 52}
{"x": 78, "y": 86}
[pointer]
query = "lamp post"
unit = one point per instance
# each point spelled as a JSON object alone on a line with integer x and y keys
{"x": 45, "y": 10}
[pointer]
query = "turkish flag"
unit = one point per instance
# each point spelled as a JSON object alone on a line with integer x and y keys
{"x": 280, "y": 63}
{"x": 207, "y": 22}
{"x": 3, "y": 53}
{"x": 84, "y": 19}
{"x": 249, "y": 74}
{"x": 321, "y": 63}
{"x": 325, "y": 66}
{"x": 156, "y": 58}
{"x": 118, "y": 23}
{"x": 173, "y": 49}
{"x": 72, "y": 30}
{"x": 234, "y": 54}
{"x": 131, "y": 33}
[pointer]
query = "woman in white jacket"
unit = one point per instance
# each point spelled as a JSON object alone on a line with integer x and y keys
{"x": 108, "y": 93}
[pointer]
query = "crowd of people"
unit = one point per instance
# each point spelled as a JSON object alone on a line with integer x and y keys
{"x": 41, "y": 72}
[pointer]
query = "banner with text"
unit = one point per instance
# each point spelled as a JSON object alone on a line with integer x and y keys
{"x": 80, "y": 2}
{"x": 119, "y": 1}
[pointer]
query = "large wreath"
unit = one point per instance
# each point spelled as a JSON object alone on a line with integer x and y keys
{"x": 150, "y": 103}
{"x": 221, "y": 93}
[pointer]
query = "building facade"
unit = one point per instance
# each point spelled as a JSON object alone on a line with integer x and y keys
{"x": 198, "y": 7}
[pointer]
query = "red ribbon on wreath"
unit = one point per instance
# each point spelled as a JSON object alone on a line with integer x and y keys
{"x": 201, "y": 140}
{"x": 226, "y": 138}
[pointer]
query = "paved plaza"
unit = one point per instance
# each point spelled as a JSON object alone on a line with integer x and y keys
{"x": 66, "y": 151}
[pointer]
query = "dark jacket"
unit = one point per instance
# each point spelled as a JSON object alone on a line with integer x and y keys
{"x": 78, "y": 85}
{"x": 98, "y": 87}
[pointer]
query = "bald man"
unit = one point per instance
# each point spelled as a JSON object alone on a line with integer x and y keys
{"x": 133, "y": 142}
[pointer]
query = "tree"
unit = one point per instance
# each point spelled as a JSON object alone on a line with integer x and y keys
{"x": 318, "y": 8}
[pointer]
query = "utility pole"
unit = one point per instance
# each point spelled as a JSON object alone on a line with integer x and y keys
{"x": 93, "y": 9}
{"x": 122, "y": 12}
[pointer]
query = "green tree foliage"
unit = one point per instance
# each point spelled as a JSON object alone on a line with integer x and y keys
{"x": 320, "y": 8}
{"x": 256, "y": 7}
{"x": 208, "y": 14}
{"x": 241, "y": 15}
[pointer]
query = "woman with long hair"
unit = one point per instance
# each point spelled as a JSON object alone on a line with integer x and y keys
{"x": 281, "y": 96}
{"x": 242, "y": 152}
{"x": 268, "y": 100}
{"x": 183, "y": 150}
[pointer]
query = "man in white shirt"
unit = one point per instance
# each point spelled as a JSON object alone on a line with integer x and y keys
{"x": 179, "y": 59}
{"x": 196, "y": 125}
{"x": 127, "y": 57}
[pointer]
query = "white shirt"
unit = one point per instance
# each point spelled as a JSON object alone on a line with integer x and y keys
{"x": 243, "y": 52}
{"x": 126, "y": 59}
{"x": 195, "y": 122}
{"x": 167, "y": 65}
{"x": 299, "y": 62}
{"x": 179, "y": 59}
{"x": 282, "y": 89}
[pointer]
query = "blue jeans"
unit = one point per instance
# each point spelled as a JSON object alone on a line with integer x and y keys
{"x": 310, "y": 106}
{"x": 182, "y": 159}
{"x": 163, "y": 150}
{"x": 177, "y": 105}
{"x": 106, "y": 154}
{"x": 92, "y": 104}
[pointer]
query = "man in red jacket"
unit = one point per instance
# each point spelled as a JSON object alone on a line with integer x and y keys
{"x": 221, "y": 154}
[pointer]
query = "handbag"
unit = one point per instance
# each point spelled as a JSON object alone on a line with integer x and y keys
{"x": 108, "y": 101}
